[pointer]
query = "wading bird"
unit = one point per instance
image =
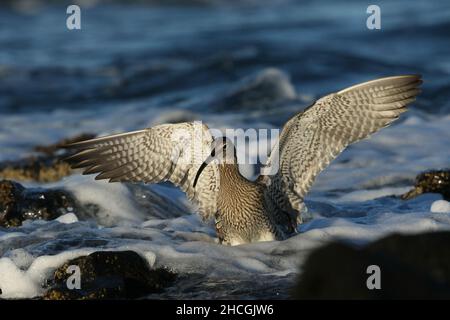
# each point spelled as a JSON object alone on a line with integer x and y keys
{"x": 270, "y": 207}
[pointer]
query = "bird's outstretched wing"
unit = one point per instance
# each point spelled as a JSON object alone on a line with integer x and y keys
{"x": 168, "y": 152}
{"x": 311, "y": 139}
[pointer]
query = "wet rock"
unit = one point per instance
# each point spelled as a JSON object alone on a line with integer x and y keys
{"x": 46, "y": 166}
{"x": 110, "y": 275}
{"x": 18, "y": 203}
{"x": 411, "y": 267}
{"x": 435, "y": 181}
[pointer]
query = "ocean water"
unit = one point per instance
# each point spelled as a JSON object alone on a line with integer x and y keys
{"x": 240, "y": 65}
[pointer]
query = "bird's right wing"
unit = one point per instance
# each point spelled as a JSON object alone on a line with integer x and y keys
{"x": 168, "y": 152}
{"x": 313, "y": 138}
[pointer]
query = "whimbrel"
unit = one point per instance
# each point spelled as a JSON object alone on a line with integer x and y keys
{"x": 247, "y": 211}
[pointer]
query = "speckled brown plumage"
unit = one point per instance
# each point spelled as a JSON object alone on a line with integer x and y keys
{"x": 270, "y": 207}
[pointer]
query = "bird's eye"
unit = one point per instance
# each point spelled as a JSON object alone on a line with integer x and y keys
{"x": 213, "y": 152}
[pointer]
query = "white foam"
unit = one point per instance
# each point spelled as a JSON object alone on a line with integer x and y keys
{"x": 113, "y": 199}
{"x": 440, "y": 206}
{"x": 364, "y": 195}
{"x": 17, "y": 283}
{"x": 67, "y": 218}
{"x": 21, "y": 258}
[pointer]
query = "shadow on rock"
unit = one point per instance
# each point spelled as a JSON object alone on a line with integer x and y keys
{"x": 411, "y": 267}
{"x": 109, "y": 275}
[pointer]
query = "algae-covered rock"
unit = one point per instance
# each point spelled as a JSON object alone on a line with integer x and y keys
{"x": 434, "y": 181}
{"x": 410, "y": 267}
{"x": 18, "y": 203}
{"x": 109, "y": 275}
{"x": 40, "y": 169}
{"x": 46, "y": 166}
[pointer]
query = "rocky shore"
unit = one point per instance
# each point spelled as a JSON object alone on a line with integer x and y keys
{"x": 126, "y": 275}
{"x": 107, "y": 275}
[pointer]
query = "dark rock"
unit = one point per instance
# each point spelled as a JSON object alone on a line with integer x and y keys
{"x": 435, "y": 181}
{"x": 412, "y": 267}
{"x": 47, "y": 166}
{"x": 110, "y": 275}
{"x": 18, "y": 203}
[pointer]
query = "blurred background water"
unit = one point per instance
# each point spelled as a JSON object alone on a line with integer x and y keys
{"x": 170, "y": 55}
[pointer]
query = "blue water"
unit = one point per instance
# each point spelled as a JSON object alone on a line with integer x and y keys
{"x": 173, "y": 55}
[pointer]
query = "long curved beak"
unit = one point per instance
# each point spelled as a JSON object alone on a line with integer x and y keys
{"x": 205, "y": 163}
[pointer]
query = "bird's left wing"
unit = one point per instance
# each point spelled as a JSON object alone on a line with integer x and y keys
{"x": 313, "y": 138}
{"x": 167, "y": 152}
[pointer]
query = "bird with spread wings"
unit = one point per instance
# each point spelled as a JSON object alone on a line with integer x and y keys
{"x": 309, "y": 141}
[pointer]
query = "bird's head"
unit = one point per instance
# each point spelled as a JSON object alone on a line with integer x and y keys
{"x": 223, "y": 151}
